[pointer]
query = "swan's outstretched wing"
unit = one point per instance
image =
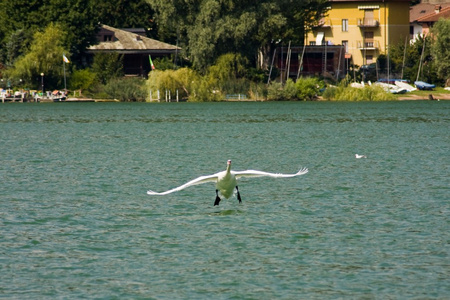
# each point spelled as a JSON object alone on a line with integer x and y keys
{"x": 199, "y": 180}
{"x": 255, "y": 173}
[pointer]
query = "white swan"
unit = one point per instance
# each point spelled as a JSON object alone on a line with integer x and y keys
{"x": 226, "y": 181}
{"x": 360, "y": 156}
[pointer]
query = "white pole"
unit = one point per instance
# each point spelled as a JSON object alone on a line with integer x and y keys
{"x": 271, "y": 66}
{"x": 288, "y": 61}
{"x": 64, "y": 63}
{"x": 177, "y": 96}
{"x": 421, "y": 57}
{"x": 301, "y": 62}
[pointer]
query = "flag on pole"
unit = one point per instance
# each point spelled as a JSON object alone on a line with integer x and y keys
{"x": 151, "y": 62}
{"x": 65, "y": 59}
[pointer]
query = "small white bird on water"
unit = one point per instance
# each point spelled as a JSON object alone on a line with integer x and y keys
{"x": 226, "y": 181}
{"x": 360, "y": 156}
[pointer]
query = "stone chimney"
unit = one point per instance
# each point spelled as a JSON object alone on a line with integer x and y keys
{"x": 437, "y": 8}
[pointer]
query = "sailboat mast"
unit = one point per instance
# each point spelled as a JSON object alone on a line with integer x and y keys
{"x": 404, "y": 56}
{"x": 301, "y": 61}
{"x": 421, "y": 57}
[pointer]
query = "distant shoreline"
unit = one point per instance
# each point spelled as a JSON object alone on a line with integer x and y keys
{"x": 435, "y": 96}
{"x": 404, "y": 97}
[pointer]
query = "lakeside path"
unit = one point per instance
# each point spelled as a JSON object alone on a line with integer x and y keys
{"x": 436, "y": 96}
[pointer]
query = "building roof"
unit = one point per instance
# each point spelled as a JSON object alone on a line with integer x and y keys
{"x": 124, "y": 41}
{"x": 434, "y": 17}
{"x": 421, "y": 10}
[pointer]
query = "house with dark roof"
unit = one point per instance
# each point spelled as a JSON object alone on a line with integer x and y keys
{"x": 422, "y": 16}
{"x": 134, "y": 46}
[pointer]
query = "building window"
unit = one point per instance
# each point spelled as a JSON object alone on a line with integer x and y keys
{"x": 369, "y": 59}
{"x": 345, "y": 44}
{"x": 107, "y": 38}
{"x": 368, "y": 39}
{"x": 312, "y": 43}
{"x": 344, "y": 25}
{"x": 368, "y": 17}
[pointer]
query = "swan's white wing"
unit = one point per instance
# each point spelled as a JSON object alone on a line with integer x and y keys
{"x": 199, "y": 180}
{"x": 256, "y": 173}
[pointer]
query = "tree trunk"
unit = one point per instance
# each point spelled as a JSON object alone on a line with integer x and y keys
{"x": 265, "y": 56}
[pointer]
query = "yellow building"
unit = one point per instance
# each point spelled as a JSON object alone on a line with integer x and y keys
{"x": 365, "y": 28}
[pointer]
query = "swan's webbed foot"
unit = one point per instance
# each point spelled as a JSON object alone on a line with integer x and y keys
{"x": 238, "y": 195}
{"x": 217, "y": 198}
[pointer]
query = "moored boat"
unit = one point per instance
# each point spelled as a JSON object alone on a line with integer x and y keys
{"x": 421, "y": 85}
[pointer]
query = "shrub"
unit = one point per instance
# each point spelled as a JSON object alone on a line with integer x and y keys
{"x": 82, "y": 79}
{"x": 308, "y": 88}
{"x": 368, "y": 93}
{"x": 290, "y": 91}
{"x": 107, "y": 66}
{"x": 275, "y": 91}
{"x": 258, "y": 91}
{"x": 303, "y": 89}
{"x": 187, "y": 82}
{"x": 126, "y": 89}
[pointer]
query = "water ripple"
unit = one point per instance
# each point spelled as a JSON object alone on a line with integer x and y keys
{"x": 76, "y": 222}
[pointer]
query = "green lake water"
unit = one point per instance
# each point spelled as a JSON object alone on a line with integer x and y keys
{"x": 76, "y": 222}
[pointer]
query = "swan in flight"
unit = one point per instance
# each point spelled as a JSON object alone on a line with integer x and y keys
{"x": 226, "y": 181}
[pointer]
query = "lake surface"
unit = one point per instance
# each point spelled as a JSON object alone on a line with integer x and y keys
{"x": 76, "y": 222}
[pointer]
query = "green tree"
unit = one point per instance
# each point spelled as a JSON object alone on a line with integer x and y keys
{"x": 211, "y": 28}
{"x": 425, "y": 62}
{"x": 107, "y": 66}
{"x": 185, "y": 80}
{"x": 228, "y": 74}
{"x": 125, "y": 14}
{"x": 20, "y": 14}
{"x": 16, "y": 45}
{"x": 441, "y": 48}
{"x": 76, "y": 19}
{"x": 82, "y": 79}
{"x": 45, "y": 56}
{"x": 407, "y": 60}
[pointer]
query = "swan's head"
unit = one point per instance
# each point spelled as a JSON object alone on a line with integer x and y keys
{"x": 228, "y": 165}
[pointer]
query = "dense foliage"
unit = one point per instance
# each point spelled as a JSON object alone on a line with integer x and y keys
{"x": 78, "y": 19}
{"x": 45, "y": 57}
{"x": 107, "y": 66}
{"x": 227, "y": 48}
{"x": 126, "y": 89}
{"x": 441, "y": 48}
{"x": 207, "y": 29}
{"x": 405, "y": 58}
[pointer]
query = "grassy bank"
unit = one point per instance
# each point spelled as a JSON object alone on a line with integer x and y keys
{"x": 348, "y": 93}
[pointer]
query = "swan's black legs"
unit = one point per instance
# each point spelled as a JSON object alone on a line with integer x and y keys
{"x": 217, "y": 198}
{"x": 238, "y": 195}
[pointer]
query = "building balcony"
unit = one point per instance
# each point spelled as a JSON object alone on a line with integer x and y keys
{"x": 368, "y": 22}
{"x": 368, "y": 45}
{"x": 324, "y": 23}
